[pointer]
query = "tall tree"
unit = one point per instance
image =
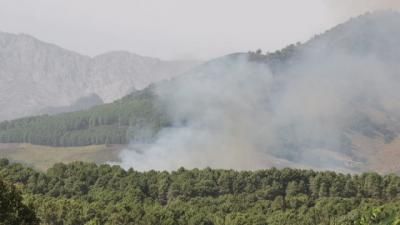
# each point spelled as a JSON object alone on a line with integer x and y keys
{"x": 12, "y": 210}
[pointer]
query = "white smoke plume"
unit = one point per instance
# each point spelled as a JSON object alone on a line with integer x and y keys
{"x": 235, "y": 113}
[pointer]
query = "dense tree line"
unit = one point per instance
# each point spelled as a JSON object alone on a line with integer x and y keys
{"x": 105, "y": 124}
{"x": 85, "y": 193}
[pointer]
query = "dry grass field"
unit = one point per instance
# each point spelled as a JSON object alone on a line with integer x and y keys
{"x": 43, "y": 157}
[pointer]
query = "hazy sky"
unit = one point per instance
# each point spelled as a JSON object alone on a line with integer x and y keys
{"x": 176, "y": 29}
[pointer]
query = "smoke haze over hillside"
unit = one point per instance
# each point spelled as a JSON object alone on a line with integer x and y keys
{"x": 245, "y": 118}
{"x": 238, "y": 114}
{"x": 302, "y": 110}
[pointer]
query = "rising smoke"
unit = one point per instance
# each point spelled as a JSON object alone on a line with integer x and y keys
{"x": 236, "y": 113}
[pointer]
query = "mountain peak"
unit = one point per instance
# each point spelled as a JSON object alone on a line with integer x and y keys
{"x": 35, "y": 74}
{"x": 123, "y": 55}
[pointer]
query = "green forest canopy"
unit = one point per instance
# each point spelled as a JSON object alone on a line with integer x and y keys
{"x": 104, "y": 124}
{"x": 12, "y": 210}
{"x": 86, "y": 193}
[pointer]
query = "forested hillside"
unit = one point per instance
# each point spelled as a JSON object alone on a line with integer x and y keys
{"x": 82, "y": 193}
{"x": 105, "y": 124}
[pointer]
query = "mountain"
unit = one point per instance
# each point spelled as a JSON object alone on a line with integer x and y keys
{"x": 35, "y": 75}
{"x": 330, "y": 103}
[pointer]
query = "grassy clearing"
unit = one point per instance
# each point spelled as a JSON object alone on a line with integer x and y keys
{"x": 43, "y": 157}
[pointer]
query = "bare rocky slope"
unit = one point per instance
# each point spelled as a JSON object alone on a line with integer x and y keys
{"x": 35, "y": 75}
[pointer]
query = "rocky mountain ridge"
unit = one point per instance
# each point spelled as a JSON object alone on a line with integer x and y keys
{"x": 35, "y": 75}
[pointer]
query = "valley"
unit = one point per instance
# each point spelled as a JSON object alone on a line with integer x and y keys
{"x": 219, "y": 107}
{"x": 305, "y": 133}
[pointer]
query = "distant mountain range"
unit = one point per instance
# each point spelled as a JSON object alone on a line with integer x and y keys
{"x": 35, "y": 75}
